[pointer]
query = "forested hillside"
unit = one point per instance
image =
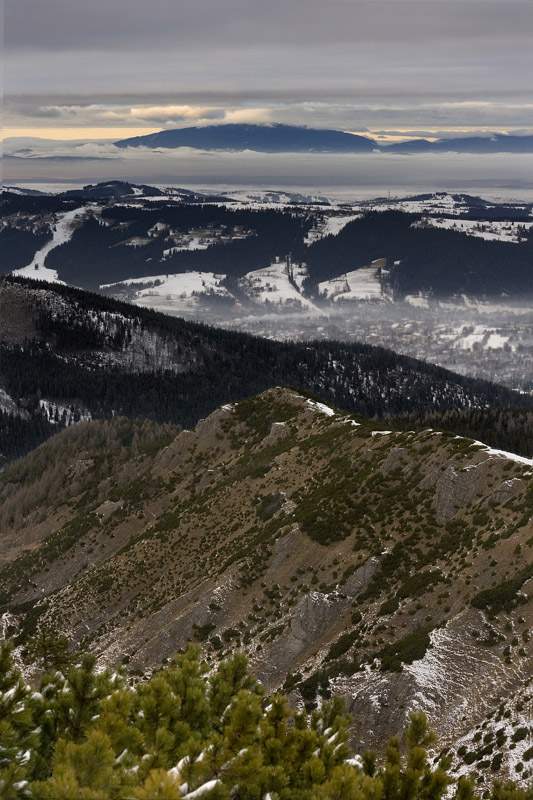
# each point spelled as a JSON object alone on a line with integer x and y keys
{"x": 70, "y": 354}
{"x": 19, "y": 246}
{"x": 504, "y": 428}
{"x": 441, "y": 261}
{"x": 93, "y": 255}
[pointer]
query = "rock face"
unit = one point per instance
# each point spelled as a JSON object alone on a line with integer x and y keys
{"x": 453, "y": 492}
{"x": 504, "y": 491}
{"x": 314, "y": 617}
{"x": 107, "y": 508}
{"x": 392, "y": 567}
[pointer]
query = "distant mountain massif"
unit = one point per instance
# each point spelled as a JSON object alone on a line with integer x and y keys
{"x": 277, "y": 138}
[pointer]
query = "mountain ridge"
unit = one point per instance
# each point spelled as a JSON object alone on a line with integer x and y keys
{"x": 137, "y": 246}
{"x": 391, "y": 567}
{"x": 272, "y": 138}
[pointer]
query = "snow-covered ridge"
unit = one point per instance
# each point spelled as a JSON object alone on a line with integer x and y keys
{"x": 505, "y": 454}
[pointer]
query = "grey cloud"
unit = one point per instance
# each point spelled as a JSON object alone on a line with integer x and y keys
{"x": 327, "y": 63}
{"x": 288, "y": 94}
{"x": 58, "y": 24}
{"x": 41, "y": 112}
{"x": 352, "y": 74}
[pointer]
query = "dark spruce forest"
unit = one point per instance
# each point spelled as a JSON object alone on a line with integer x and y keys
{"x": 66, "y": 354}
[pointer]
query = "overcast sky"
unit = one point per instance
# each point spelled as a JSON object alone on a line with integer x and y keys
{"x": 112, "y": 68}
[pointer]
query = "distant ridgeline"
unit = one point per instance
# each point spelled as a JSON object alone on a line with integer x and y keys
{"x": 430, "y": 259}
{"x": 82, "y": 355}
{"x": 279, "y": 138}
{"x": 115, "y": 242}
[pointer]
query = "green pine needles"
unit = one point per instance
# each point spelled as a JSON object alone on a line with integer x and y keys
{"x": 187, "y": 732}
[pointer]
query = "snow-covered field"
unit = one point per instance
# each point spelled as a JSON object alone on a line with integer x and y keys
{"x": 274, "y": 286}
{"x": 491, "y": 230}
{"x": 173, "y": 293}
{"x": 360, "y": 284}
{"x": 476, "y": 337}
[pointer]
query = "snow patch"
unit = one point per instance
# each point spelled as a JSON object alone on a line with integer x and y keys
{"x": 504, "y": 454}
{"x": 360, "y": 284}
{"x": 322, "y": 407}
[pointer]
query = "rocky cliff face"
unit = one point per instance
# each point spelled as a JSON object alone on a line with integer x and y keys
{"x": 392, "y": 567}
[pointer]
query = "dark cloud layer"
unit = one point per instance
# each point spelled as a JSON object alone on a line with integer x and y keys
{"x": 189, "y": 24}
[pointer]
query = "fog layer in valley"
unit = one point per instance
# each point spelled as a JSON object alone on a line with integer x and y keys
{"x": 489, "y": 341}
{"x": 41, "y": 160}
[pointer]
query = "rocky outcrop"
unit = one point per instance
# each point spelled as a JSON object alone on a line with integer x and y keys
{"x": 504, "y": 491}
{"x": 311, "y": 625}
